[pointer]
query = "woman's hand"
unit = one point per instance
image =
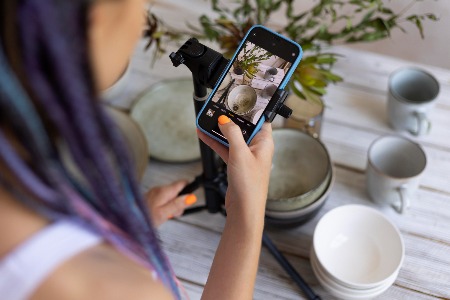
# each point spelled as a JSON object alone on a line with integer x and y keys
{"x": 248, "y": 167}
{"x": 235, "y": 264}
{"x": 164, "y": 203}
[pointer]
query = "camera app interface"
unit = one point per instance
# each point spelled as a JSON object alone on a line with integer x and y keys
{"x": 246, "y": 89}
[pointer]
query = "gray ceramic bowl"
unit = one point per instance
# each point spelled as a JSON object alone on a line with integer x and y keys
{"x": 242, "y": 99}
{"x": 301, "y": 171}
{"x": 305, "y": 213}
{"x": 269, "y": 90}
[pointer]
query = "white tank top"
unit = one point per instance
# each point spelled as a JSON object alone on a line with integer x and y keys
{"x": 27, "y": 266}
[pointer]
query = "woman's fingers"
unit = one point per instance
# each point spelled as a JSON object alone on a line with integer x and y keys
{"x": 220, "y": 149}
{"x": 176, "y": 207}
{"x": 163, "y": 194}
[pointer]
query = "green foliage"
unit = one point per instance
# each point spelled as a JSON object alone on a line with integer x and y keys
{"x": 326, "y": 22}
{"x": 250, "y": 60}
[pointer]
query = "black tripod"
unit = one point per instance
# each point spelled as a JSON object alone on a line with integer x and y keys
{"x": 207, "y": 66}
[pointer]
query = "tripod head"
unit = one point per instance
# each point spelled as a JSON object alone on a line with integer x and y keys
{"x": 207, "y": 66}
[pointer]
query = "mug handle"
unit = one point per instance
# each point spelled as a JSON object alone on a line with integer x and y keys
{"x": 403, "y": 204}
{"x": 423, "y": 124}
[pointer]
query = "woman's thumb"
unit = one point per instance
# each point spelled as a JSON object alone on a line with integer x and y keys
{"x": 231, "y": 131}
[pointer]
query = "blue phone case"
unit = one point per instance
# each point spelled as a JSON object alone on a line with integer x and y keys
{"x": 282, "y": 84}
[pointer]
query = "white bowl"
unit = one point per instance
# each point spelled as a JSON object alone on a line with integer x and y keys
{"x": 340, "y": 290}
{"x": 344, "y": 292}
{"x": 358, "y": 247}
{"x": 242, "y": 99}
{"x": 257, "y": 115}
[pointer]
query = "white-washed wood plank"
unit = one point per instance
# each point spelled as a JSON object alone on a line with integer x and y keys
{"x": 348, "y": 147}
{"x": 372, "y": 70}
{"x": 423, "y": 268}
{"x": 193, "y": 291}
{"x": 423, "y": 226}
{"x": 422, "y": 223}
{"x": 422, "y": 219}
{"x": 368, "y": 111}
{"x": 191, "y": 250}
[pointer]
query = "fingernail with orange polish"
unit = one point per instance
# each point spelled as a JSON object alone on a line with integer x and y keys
{"x": 190, "y": 199}
{"x": 170, "y": 217}
{"x": 224, "y": 120}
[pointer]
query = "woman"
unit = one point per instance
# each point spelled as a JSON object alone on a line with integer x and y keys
{"x": 63, "y": 237}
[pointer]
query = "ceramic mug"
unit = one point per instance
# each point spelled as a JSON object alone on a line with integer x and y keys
{"x": 270, "y": 73}
{"x": 393, "y": 171}
{"x": 412, "y": 93}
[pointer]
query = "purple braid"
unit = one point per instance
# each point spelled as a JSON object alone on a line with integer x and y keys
{"x": 53, "y": 39}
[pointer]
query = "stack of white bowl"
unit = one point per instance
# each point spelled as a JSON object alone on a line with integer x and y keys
{"x": 356, "y": 252}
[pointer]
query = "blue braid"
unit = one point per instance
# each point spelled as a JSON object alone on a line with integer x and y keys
{"x": 54, "y": 51}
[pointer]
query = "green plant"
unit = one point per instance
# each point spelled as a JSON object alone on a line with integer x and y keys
{"x": 326, "y": 22}
{"x": 250, "y": 60}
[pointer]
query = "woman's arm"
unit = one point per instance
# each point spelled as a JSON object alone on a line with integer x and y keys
{"x": 233, "y": 272}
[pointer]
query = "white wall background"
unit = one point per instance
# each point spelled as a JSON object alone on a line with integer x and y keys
{"x": 433, "y": 50}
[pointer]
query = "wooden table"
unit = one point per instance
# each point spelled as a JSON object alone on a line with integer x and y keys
{"x": 355, "y": 116}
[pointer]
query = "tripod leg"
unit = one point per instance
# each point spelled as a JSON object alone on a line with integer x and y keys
{"x": 191, "y": 187}
{"x": 309, "y": 293}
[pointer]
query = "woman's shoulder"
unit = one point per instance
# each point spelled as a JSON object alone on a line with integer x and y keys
{"x": 99, "y": 271}
{"x": 17, "y": 223}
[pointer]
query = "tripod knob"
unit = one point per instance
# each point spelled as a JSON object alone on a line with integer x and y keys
{"x": 176, "y": 59}
{"x": 284, "y": 111}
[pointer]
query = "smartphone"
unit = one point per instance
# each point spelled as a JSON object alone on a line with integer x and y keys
{"x": 263, "y": 63}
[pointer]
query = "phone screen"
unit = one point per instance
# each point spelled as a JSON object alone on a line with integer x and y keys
{"x": 257, "y": 70}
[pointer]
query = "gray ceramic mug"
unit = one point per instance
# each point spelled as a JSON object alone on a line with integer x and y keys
{"x": 412, "y": 93}
{"x": 393, "y": 171}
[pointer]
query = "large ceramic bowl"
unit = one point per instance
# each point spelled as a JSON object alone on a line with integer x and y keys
{"x": 302, "y": 215}
{"x": 134, "y": 138}
{"x": 358, "y": 247}
{"x": 301, "y": 171}
{"x": 242, "y": 99}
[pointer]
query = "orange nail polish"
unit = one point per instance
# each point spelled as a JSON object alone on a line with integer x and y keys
{"x": 170, "y": 217}
{"x": 190, "y": 199}
{"x": 224, "y": 120}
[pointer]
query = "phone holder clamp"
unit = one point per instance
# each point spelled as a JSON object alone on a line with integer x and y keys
{"x": 205, "y": 63}
{"x": 276, "y": 106}
{"x": 207, "y": 66}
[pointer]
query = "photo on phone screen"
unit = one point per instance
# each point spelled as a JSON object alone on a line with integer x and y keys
{"x": 260, "y": 66}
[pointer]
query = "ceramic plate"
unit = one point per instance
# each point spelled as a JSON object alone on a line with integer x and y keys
{"x": 134, "y": 137}
{"x": 166, "y": 115}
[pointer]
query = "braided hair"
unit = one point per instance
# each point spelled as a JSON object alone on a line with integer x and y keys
{"x": 48, "y": 99}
